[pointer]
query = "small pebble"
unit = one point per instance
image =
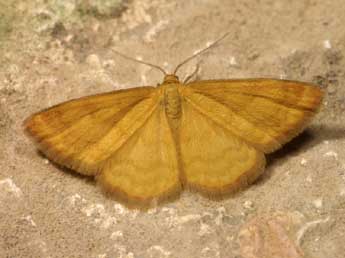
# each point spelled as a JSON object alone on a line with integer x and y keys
{"x": 303, "y": 162}
{"x": 317, "y": 203}
{"x": 248, "y": 205}
{"x": 327, "y": 44}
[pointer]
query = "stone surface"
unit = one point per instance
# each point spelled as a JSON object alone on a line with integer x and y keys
{"x": 52, "y": 51}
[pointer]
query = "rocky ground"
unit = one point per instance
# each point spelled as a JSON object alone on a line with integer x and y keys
{"x": 52, "y": 51}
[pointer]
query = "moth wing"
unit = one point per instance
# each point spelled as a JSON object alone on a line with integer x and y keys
{"x": 265, "y": 113}
{"x": 146, "y": 167}
{"x": 214, "y": 160}
{"x": 82, "y": 133}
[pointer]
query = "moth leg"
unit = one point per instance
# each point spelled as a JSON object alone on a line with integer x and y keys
{"x": 194, "y": 73}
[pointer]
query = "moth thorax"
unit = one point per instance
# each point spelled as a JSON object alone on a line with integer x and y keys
{"x": 172, "y": 101}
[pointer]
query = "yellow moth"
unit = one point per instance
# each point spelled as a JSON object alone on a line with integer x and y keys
{"x": 149, "y": 143}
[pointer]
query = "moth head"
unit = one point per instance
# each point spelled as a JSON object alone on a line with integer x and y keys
{"x": 170, "y": 78}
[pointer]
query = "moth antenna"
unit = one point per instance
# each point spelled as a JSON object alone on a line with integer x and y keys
{"x": 200, "y": 52}
{"x": 140, "y": 61}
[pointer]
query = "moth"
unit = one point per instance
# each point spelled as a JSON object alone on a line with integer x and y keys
{"x": 149, "y": 143}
